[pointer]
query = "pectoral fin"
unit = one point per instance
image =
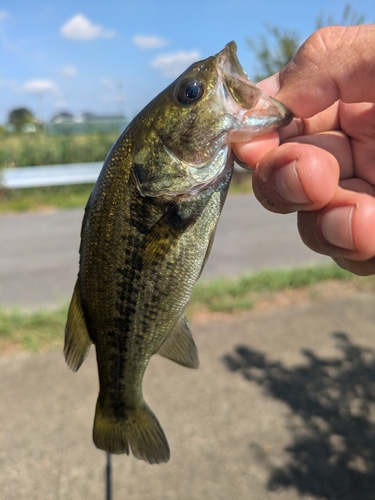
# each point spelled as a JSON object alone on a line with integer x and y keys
{"x": 179, "y": 346}
{"x": 77, "y": 338}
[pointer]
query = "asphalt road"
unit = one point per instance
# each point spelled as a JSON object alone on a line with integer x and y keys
{"x": 39, "y": 251}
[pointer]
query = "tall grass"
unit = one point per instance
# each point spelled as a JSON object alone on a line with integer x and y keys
{"x": 20, "y": 150}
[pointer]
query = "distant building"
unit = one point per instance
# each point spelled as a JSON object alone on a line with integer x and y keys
{"x": 91, "y": 117}
{"x": 29, "y": 128}
{"x": 66, "y": 123}
{"x": 63, "y": 118}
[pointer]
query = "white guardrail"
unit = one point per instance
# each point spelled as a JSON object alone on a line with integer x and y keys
{"x": 54, "y": 175}
{"x": 49, "y": 175}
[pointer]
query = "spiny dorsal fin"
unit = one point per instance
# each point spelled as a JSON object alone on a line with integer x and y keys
{"x": 77, "y": 338}
{"x": 179, "y": 346}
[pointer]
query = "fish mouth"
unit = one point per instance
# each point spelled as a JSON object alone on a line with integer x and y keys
{"x": 256, "y": 112}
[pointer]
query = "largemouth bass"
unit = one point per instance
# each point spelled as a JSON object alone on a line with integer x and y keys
{"x": 146, "y": 234}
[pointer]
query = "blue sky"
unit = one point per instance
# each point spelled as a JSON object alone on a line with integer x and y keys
{"x": 114, "y": 56}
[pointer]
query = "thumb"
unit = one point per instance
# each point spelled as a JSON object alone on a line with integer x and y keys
{"x": 333, "y": 63}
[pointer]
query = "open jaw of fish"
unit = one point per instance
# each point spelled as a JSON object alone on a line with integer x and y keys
{"x": 146, "y": 235}
{"x": 240, "y": 110}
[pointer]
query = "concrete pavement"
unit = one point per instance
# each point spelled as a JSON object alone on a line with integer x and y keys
{"x": 282, "y": 407}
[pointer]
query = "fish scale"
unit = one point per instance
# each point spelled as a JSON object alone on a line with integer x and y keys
{"x": 147, "y": 232}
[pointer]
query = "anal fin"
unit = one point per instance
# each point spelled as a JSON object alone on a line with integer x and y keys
{"x": 179, "y": 346}
{"x": 77, "y": 338}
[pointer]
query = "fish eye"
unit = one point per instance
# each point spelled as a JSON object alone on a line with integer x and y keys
{"x": 189, "y": 91}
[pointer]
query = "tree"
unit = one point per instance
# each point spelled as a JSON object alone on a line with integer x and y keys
{"x": 277, "y": 48}
{"x": 273, "y": 59}
{"x": 20, "y": 117}
{"x": 348, "y": 18}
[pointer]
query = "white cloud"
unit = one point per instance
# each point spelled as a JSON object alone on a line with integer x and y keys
{"x": 39, "y": 86}
{"x": 69, "y": 71}
{"x": 149, "y": 41}
{"x": 79, "y": 27}
{"x": 172, "y": 65}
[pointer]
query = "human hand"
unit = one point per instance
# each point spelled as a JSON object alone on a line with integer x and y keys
{"x": 324, "y": 167}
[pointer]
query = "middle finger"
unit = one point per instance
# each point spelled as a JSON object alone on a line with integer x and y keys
{"x": 337, "y": 144}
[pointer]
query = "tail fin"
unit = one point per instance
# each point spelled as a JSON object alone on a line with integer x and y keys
{"x": 139, "y": 430}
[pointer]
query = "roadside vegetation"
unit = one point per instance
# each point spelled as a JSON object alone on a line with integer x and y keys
{"x": 31, "y": 331}
{"x": 61, "y": 197}
{"x": 28, "y": 150}
{"x": 47, "y": 198}
{"x": 240, "y": 294}
{"x": 43, "y": 330}
{"x": 75, "y": 196}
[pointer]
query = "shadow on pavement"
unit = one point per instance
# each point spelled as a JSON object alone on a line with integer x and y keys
{"x": 332, "y": 403}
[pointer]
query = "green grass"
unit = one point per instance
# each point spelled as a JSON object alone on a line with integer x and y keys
{"x": 43, "y": 330}
{"x": 22, "y": 200}
{"x": 241, "y": 183}
{"x": 31, "y": 331}
{"x": 229, "y": 295}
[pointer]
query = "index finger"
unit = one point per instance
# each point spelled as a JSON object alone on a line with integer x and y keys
{"x": 324, "y": 121}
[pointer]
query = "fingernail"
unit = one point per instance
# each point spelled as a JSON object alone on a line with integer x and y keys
{"x": 289, "y": 186}
{"x": 337, "y": 227}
